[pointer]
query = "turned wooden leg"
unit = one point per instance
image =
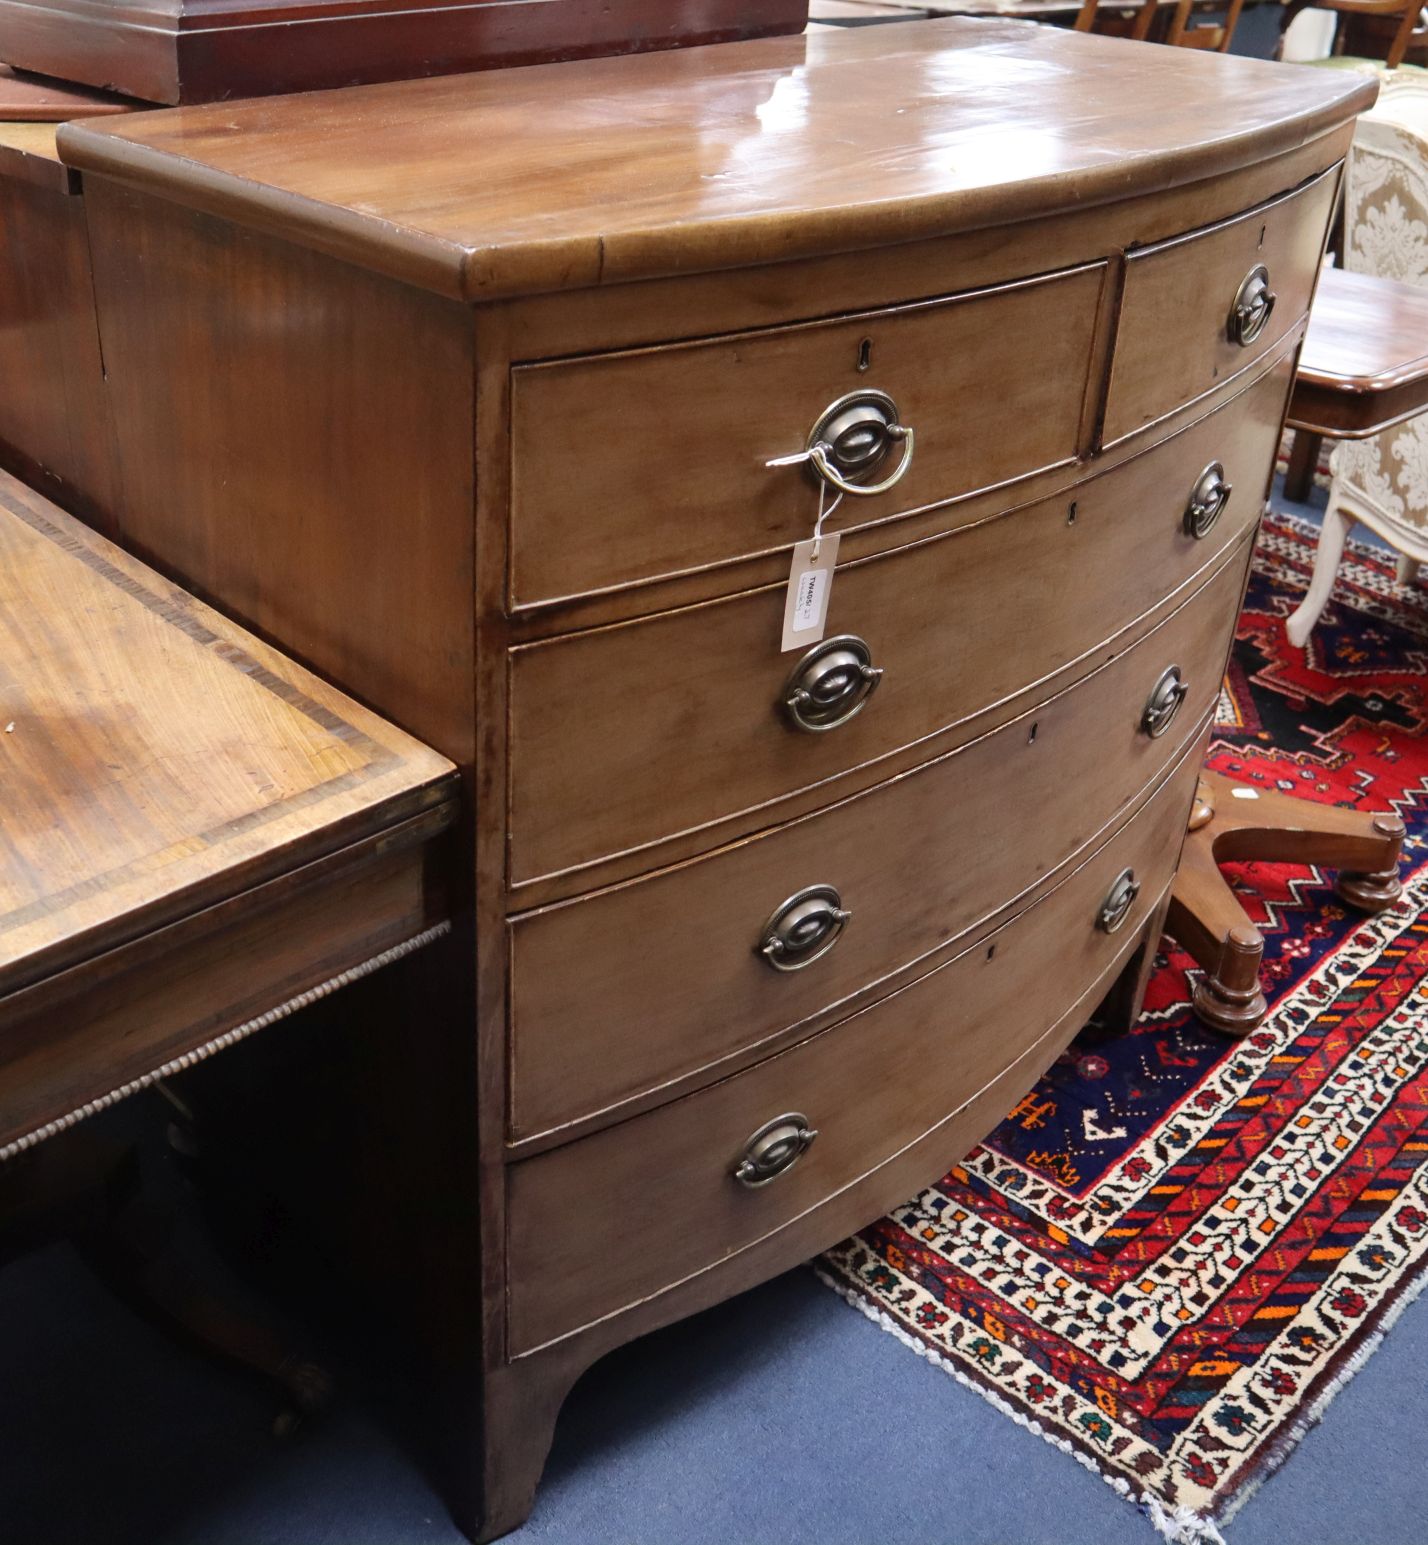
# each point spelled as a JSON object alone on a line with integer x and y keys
{"x": 1336, "y": 527}
{"x": 1208, "y": 922}
{"x": 1407, "y": 570}
{"x": 1229, "y": 998}
{"x": 1377, "y": 889}
{"x": 1303, "y": 463}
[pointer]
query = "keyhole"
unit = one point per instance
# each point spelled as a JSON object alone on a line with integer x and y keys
{"x": 1031, "y": 738}
{"x": 991, "y": 950}
{"x": 1071, "y": 514}
{"x": 1262, "y": 230}
{"x": 865, "y": 354}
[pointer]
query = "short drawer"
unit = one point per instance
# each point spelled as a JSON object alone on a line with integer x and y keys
{"x": 1196, "y": 309}
{"x": 627, "y": 990}
{"x": 870, "y": 1086}
{"x": 625, "y": 736}
{"x": 628, "y": 467}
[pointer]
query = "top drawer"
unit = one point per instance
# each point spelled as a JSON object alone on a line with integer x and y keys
{"x": 1179, "y": 334}
{"x": 636, "y": 466}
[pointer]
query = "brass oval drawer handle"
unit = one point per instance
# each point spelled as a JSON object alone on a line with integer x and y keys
{"x": 1115, "y": 909}
{"x": 830, "y": 684}
{"x": 851, "y": 440}
{"x": 1254, "y": 303}
{"x": 1164, "y": 702}
{"x": 1208, "y": 499}
{"x": 773, "y": 1150}
{"x": 803, "y": 929}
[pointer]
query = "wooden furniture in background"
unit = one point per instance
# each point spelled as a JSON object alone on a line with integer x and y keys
{"x": 55, "y": 426}
{"x": 857, "y": 13}
{"x": 38, "y": 99}
{"x": 209, "y": 50}
{"x": 199, "y": 839}
{"x": 1177, "y": 32}
{"x": 1161, "y": 21}
{"x": 1373, "y": 398}
{"x": 1365, "y": 362}
{"x": 1364, "y": 370}
{"x": 1237, "y": 822}
{"x": 199, "y": 835}
{"x": 1378, "y": 29}
{"x": 761, "y": 941}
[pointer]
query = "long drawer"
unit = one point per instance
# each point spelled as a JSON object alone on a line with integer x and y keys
{"x": 870, "y": 1086}
{"x": 626, "y": 467}
{"x": 1179, "y": 335}
{"x": 624, "y": 736}
{"x": 916, "y": 862}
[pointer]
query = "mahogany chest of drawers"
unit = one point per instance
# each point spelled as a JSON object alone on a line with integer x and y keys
{"x": 503, "y": 400}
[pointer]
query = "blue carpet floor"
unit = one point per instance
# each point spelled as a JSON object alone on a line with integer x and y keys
{"x": 782, "y": 1417}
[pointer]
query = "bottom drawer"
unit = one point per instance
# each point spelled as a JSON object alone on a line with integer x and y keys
{"x": 615, "y": 1218}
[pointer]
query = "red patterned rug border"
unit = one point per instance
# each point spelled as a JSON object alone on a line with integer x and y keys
{"x": 1182, "y": 1525}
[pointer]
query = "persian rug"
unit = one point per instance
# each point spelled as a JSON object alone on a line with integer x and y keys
{"x": 1172, "y": 1254}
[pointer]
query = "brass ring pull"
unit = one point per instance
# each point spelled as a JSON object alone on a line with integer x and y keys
{"x": 830, "y": 684}
{"x": 803, "y": 929}
{"x": 1208, "y": 499}
{"x": 1254, "y": 304}
{"x": 1115, "y": 909}
{"x": 820, "y": 454}
{"x": 773, "y": 1150}
{"x": 851, "y": 440}
{"x": 1164, "y": 702}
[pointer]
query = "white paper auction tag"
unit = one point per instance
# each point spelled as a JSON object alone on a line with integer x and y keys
{"x": 810, "y": 586}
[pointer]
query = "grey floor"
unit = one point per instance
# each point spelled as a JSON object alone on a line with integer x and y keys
{"x": 784, "y": 1417}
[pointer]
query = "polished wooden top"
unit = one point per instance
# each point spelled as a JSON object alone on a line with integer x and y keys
{"x": 1366, "y": 334}
{"x": 155, "y": 758}
{"x": 570, "y": 175}
{"x": 1365, "y": 360}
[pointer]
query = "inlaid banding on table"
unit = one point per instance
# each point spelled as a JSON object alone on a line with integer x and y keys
{"x": 180, "y": 615}
{"x": 156, "y": 757}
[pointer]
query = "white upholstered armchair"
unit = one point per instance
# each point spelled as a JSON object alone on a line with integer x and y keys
{"x": 1381, "y": 481}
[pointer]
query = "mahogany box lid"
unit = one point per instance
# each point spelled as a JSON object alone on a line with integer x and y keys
{"x": 175, "y": 51}
{"x": 604, "y": 171}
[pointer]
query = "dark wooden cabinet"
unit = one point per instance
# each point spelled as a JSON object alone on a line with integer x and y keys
{"x": 466, "y": 391}
{"x": 174, "y": 51}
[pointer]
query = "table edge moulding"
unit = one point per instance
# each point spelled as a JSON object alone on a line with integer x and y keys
{"x": 575, "y": 592}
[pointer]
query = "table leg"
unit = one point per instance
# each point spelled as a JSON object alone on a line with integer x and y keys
{"x": 1303, "y": 463}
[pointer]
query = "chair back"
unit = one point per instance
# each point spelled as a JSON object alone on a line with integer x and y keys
{"x": 1386, "y": 190}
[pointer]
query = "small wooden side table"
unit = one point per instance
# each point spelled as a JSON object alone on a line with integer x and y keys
{"x": 199, "y": 836}
{"x": 1363, "y": 369}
